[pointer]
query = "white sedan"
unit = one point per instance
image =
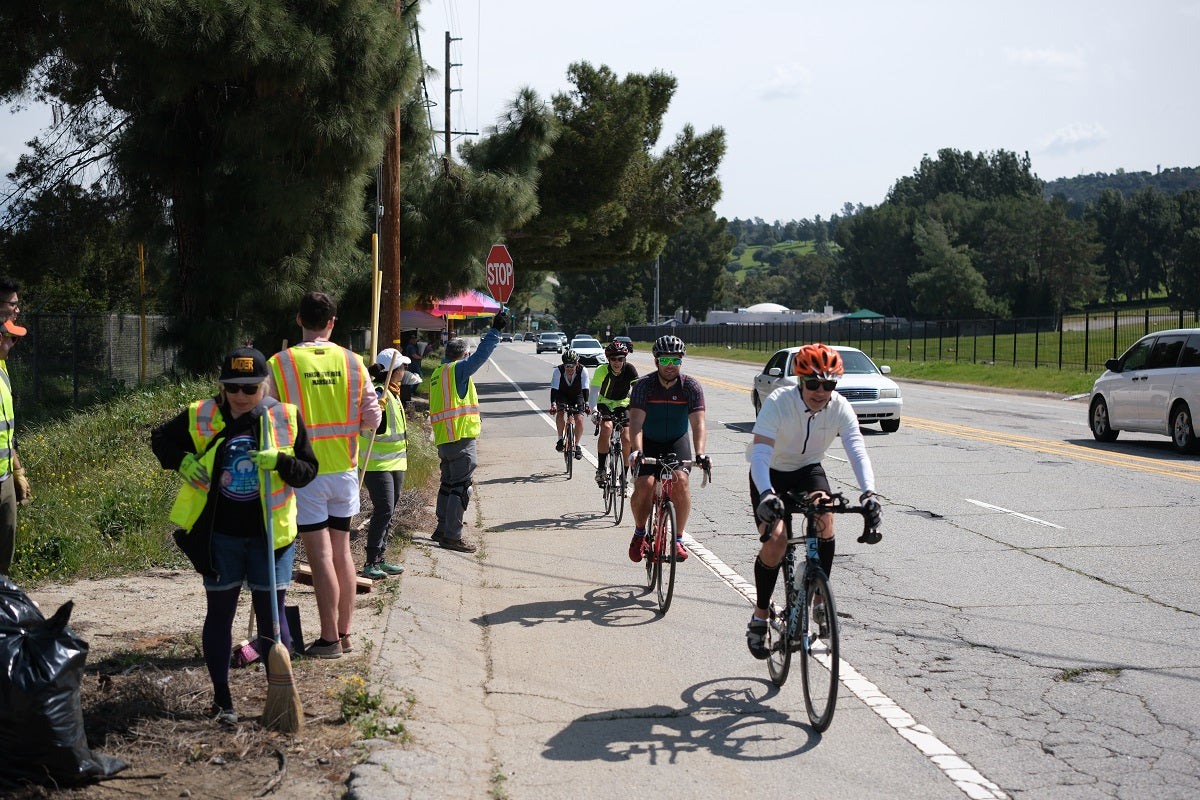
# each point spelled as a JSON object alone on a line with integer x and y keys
{"x": 874, "y": 396}
{"x": 590, "y": 351}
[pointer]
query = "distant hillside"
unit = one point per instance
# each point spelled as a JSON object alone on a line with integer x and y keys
{"x": 1084, "y": 189}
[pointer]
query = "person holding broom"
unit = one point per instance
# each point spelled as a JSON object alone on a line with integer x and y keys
{"x": 222, "y": 446}
{"x": 385, "y": 461}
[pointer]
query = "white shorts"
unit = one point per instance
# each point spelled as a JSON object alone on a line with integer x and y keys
{"x": 331, "y": 495}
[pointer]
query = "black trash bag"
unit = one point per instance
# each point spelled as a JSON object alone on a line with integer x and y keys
{"x": 42, "y": 739}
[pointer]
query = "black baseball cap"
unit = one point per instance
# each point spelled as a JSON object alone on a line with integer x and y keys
{"x": 244, "y": 365}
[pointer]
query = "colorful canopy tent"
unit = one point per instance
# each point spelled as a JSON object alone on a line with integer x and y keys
{"x": 415, "y": 319}
{"x": 465, "y": 305}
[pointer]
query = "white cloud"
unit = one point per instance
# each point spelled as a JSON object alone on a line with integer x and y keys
{"x": 1064, "y": 60}
{"x": 788, "y": 81}
{"x": 1075, "y": 137}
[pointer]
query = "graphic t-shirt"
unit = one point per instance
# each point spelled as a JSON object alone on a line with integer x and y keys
{"x": 239, "y": 511}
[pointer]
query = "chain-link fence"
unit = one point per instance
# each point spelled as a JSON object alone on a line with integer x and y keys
{"x": 73, "y": 359}
{"x": 1076, "y": 342}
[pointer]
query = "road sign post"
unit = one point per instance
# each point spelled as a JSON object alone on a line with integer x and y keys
{"x": 500, "y": 276}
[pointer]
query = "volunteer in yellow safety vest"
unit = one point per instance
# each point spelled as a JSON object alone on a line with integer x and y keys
{"x": 386, "y": 457}
{"x": 333, "y": 391}
{"x": 223, "y": 446}
{"x": 14, "y": 486}
{"x": 454, "y": 415}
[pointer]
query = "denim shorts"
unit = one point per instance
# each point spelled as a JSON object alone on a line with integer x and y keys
{"x": 331, "y": 495}
{"x": 239, "y": 561}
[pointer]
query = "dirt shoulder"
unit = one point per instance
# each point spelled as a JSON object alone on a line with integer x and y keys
{"x": 145, "y": 690}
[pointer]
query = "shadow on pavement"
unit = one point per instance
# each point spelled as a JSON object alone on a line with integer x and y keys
{"x": 610, "y": 606}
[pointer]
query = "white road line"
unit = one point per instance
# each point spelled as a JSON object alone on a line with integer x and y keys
{"x": 972, "y": 783}
{"x": 1025, "y": 517}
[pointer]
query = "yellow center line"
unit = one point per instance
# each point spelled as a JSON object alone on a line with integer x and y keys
{"x": 1189, "y": 472}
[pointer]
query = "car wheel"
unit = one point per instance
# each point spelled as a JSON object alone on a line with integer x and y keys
{"x": 1101, "y": 426}
{"x": 889, "y": 425}
{"x": 755, "y": 401}
{"x": 1183, "y": 430}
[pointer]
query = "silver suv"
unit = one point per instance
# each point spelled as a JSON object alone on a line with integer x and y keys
{"x": 1154, "y": 387}
{"x": 549, "y": 341}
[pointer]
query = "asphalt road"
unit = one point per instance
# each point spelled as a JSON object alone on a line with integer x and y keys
{"x": 1027, "y": 628}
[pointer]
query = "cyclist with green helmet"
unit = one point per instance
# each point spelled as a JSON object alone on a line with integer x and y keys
{"x": 569, "y": 386}
{"x": 663, "y": 407}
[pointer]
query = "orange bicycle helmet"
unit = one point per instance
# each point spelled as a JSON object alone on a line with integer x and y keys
{"x": 818, "y": 361}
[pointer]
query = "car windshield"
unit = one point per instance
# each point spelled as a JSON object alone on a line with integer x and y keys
{"x": 856, "y": 363}
{"x": 577, "y": 343}
{"x": 549, "y": 337}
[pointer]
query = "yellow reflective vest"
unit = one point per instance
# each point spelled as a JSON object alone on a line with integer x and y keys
{"x": 389, "y": 452}
{"x": 205, "y": 423}
{"x": 7, "y": 421}
{"x": 326, "y": 382}
{"x": 451, "y": 416}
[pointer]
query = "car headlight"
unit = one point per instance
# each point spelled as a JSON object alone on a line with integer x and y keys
{"x": 886, "y": 393}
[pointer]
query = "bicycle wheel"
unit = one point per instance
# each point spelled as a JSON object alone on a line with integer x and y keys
{"x": 785, "y": 619}
{"x": 607, "y": 491}
{"x": 569, "y": 453}
{"x": 665, "y": 552}
{"x": 819, "y": 666}
{"x": 653, "y": 565}
{"x": 616, "y": 482}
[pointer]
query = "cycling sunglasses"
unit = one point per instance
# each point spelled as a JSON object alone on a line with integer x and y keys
{"x": 244, "y": 388}
{"x": 617, "y": 359}
{"x": 812, "y": 384}
{"x": 670, "y": 361}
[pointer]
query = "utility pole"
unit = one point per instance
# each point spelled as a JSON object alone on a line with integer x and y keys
{"x": 388, "y": 219}
{"x": 448, "y": 91}
{"x": 656, "y": 266}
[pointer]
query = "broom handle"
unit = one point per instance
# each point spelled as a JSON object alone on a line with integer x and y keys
{"x": 266, "y": 473}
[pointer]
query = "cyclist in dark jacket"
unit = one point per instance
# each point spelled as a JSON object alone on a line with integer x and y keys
{"x": 569, "y": 386}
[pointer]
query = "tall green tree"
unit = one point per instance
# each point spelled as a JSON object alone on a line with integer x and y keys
{"x": 604, "y": 197}
{"x": 254, "y": 125}
{"x": 949, "y": 285}
{"x": 692, "y": 263}
{"x": 1183, "y": 269}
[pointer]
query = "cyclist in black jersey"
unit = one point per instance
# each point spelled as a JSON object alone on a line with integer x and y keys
{"x": 614, "y": 380}
{"x": 569, "y": 386}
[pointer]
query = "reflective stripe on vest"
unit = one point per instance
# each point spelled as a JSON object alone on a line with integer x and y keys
{"x": 390, "y": 450}
{"x": 7, "y": 420}
{"x": 451, "y": 416}
{"x": 326, "y": 383}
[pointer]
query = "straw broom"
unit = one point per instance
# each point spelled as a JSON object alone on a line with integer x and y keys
{"x": 283, "y": 711}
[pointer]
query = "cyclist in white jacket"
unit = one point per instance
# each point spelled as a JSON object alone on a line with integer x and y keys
{"x": 795, "y": 427}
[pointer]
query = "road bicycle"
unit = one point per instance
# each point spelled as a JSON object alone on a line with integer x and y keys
{"x": 804, "y": 617}
{"x": 661, "y": 530}
{"x": 616, "y": 475}
{"x": 570, "y": 411}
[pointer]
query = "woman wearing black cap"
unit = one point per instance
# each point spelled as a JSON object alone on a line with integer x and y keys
{"x": 221, "y": 445}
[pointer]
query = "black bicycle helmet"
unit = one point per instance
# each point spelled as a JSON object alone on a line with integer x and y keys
{"x": 616, "y": 349}
{"x": 669, "y": 346}
{"x": 570, "y": 357}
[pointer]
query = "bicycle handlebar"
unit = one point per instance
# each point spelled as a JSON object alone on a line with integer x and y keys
{"x": 672, "y": 463}
{"x": 798, "y": 502}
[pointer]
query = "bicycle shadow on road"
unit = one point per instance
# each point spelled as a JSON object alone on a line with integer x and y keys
{"x": 725, "y": 717}
{"x": 537, "y": 477}
{"x": 575, "y": 520}
{"x": 609, "y": 606}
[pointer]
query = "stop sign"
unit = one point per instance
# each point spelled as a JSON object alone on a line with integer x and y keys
{"x": 500, "y": 279}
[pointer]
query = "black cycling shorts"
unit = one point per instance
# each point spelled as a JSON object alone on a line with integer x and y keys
{"x": 681, "y": 447}
{"x": 806, "y": 479}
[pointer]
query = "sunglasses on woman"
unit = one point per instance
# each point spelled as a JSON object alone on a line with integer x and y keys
{"x": 244, "y": 388}
{"x": 812, "y": 384}
{"x": 670, "y": 361}
{"x": 617, "y": 360}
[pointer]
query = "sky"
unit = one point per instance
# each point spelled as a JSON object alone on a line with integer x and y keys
{"x": 832, "y": 102}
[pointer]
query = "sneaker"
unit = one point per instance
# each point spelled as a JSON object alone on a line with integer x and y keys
{"x": 578, "y": 453}
{"x": 756, "y": 638}
{"x": 374, "y": 572}
{"x": 347, "y": 645}
{"x": 459, "y": 545}
{"x": 562, "y": 445}
{"x": 323, "y": 649}
{"x": 637, "y": 548}
{"x": 601, "y": 477}
{"x": 681, "y": 554}
{"x": 225, "y": 716}
{"x": 390, "y": 569}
